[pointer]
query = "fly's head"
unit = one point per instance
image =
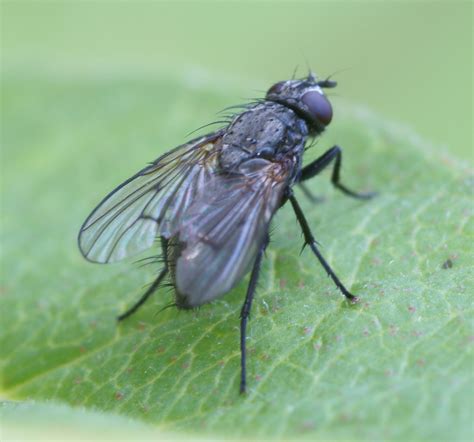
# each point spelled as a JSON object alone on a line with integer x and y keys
{"x": 306, "y": 98}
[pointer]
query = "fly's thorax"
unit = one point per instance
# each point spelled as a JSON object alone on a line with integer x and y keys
{"x": 268, "y": 130}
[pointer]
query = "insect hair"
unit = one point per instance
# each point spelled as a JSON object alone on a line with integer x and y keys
{"x": 227, "y": 117}
{"x": 223, "y": 122}
{"x": 166, "y": 307}
{"x": 154, "y": 259}
{"x": 313, "y": 142}
{"x": 251, "y": 102}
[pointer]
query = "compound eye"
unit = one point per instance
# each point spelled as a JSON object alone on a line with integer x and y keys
{"x": 318, "y": 106}
{"x": 277, "y": 88}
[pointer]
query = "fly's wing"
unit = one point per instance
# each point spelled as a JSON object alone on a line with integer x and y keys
{"x": 223, "y": 230}
{"x": 152, "y": 202}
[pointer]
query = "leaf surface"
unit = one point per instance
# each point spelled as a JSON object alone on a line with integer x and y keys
{"x": 396, "y": 366}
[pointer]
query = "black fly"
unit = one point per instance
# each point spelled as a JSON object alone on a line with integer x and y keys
{"x": 211, "y": 200}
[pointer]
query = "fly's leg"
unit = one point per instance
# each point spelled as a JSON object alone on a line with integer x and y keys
{"x": 333, "y": 154}
{"x": 308, "y": 194}
{"x": 309, "y": 240}
{"x": 155, "y": 284}
{"x": 145, "y": 296}
{"x": 244, "y": 315}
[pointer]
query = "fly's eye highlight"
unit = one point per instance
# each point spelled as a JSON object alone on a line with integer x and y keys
{"x": 277, "y": 88}
{"x": 319, "y": 107}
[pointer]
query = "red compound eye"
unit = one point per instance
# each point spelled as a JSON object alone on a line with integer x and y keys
{"x": 318, "y": 106}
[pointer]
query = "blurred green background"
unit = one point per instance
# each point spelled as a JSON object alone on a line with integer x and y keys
{"x": 410, "y": 61}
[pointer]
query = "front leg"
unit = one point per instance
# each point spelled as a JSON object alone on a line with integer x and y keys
{"x": 309, "y": 240}
{"x": 335, "y": 153}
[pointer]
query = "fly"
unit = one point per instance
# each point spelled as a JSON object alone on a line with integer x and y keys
{"x": 210, "y": 201}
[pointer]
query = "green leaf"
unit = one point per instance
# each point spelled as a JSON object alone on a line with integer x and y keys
{"x": 48, "y": 422}
{"x": 396, "y": 366}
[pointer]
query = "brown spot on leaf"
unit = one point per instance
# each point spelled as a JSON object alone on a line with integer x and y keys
{"x": 411, "y": 309}
{"x": 308, "y": 426}
{"x": 344, "y": 417}
{"x": 118, "y": 395}
{"x": 393, "y": 330}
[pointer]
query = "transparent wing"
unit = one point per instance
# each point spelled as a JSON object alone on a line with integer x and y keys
{"x": 128, "y": 220}
{"x": 223, "y": 230}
